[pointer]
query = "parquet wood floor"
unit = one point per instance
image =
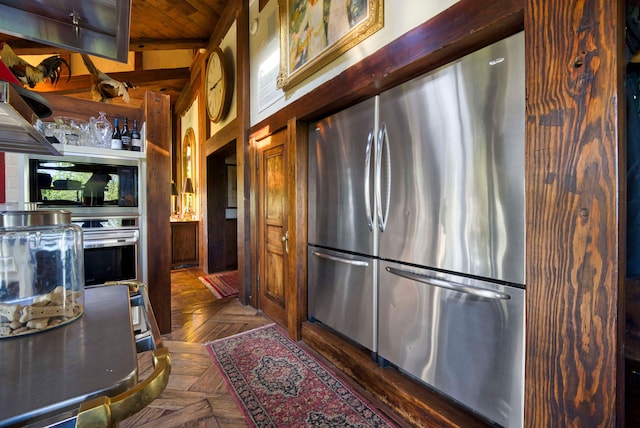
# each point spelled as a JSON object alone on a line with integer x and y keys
{"x": 196, "y": 395}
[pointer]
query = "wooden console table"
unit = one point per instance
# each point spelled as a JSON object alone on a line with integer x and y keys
{"x": 184, "y": 243}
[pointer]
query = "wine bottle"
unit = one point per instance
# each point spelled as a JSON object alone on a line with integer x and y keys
{"x": 125, "y": 135}
{"x": 116, "y": 136}
{"x": 136, "y": 141}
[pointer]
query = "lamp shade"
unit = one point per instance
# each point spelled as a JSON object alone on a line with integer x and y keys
{"x": 174, "y": 189}
{"x": 188, "y": 186}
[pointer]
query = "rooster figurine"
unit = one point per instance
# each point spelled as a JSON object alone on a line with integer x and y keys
{"x": 104, "y": 87}
{"x": 50, "y": 68}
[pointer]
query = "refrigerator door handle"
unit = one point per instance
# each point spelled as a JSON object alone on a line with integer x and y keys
{"x": 462, "y": 288}
{"x": 340, "y": 259}
{"x": 383, "y": 206}
{"x": 367, "y": 182}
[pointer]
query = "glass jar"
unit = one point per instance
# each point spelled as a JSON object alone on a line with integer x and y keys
{"x": 41, "y": 271}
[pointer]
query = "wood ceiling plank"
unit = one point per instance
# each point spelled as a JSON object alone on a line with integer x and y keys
{"x": 139, "y": 45}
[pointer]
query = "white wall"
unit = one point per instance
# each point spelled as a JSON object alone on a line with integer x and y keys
{"x": 229, "y": 46}
{"x": 190, "y": 120}
{"x": 400, "y": 16}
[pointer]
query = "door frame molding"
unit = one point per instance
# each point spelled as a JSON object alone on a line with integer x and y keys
{"x": 297, "y": 155}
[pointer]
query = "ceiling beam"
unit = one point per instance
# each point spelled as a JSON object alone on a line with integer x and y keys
{"x": 137, "y": 78}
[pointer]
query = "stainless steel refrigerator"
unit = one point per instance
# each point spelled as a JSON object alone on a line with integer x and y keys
{"x": 416, "y": 228}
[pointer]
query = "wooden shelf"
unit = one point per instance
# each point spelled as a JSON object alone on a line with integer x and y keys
{"x": 99, "y": 152}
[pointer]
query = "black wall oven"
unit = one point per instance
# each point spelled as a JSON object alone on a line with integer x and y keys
{"x": 110, "y": 253}
{"x": 102, "y": 195}
{"x": 84, "y": 184}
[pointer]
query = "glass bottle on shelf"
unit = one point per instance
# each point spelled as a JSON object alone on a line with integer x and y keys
{"x": 125, "y": 135}
{"x": 136, "y": 141}
{"x": 116, "y": 137}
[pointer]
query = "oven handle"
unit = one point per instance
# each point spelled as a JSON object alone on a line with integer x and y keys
{"x": 109, "y": 242}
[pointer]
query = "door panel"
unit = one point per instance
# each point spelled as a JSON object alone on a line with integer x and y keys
{"x": 462, "y": 336}
{"x": 455, "y": 140}
{"x": 342, "y": 295}
{"x": 274, "y": 283}
{"x": 341, "y": 180}
{"x": 272, "y": 223}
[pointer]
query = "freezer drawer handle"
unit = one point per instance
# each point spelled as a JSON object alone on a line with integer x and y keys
{"x": 340, "y": 259}
{"x": 462, "y": 288}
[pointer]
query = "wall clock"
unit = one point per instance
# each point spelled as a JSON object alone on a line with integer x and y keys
{"x": 217, "y": 85}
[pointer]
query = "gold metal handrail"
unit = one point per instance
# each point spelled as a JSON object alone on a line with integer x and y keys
{"x": 108, "y": 411}
{"x": 132, "y": 284}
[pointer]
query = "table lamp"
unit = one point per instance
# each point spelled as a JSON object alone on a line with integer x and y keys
{"x": 187, "y": 190}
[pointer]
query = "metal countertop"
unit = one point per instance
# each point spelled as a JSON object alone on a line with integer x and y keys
{"x": 54, "y": 371}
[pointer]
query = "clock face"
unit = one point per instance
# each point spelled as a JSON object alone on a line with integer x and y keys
{"x": 216, "y": 82}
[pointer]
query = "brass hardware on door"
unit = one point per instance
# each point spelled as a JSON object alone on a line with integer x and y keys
{"x": 285, "y": 239}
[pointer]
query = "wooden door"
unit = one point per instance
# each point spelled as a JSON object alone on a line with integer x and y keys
{"x": 272, "y": 227}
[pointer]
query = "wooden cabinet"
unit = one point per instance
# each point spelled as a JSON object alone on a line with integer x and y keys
{"x": 184, "y": 243}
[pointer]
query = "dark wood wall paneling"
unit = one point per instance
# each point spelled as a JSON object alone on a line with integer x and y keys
{"x": 243, "y": 101}
{"x": 157, "y": 110}
{"x": 296, "y": 170}
{"x": 575, "y": 215}
{"x": 574, "y": 373}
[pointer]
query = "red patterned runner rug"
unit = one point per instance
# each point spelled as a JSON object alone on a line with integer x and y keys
{"x": 222, "y": 284}
{"x": 278, "y": 384}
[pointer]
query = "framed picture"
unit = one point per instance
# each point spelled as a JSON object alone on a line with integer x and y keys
{"x": 315, "y": 32}
{"x": 232, "y": 187}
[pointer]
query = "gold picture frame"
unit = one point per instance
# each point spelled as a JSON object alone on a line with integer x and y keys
{"x": 314, "y": 32}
